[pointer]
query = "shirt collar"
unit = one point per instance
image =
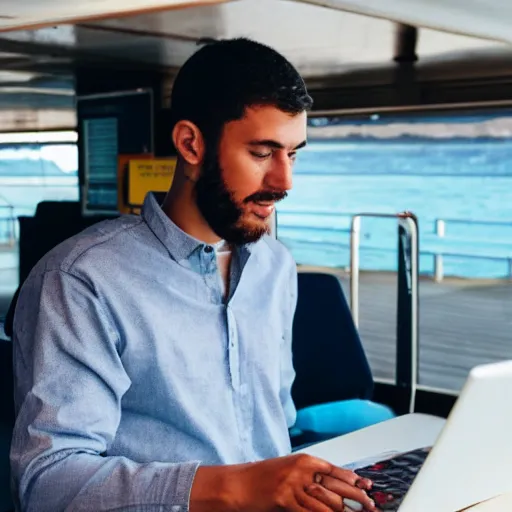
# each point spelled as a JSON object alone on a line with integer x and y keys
{"x": 179, "y": 244}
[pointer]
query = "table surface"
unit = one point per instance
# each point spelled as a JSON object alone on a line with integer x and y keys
{"x": 401, "y": 434}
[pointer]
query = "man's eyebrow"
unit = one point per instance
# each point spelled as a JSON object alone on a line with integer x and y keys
{"x": 274, "y": 144}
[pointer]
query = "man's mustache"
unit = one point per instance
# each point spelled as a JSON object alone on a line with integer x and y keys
{"x": 266, "y": 195}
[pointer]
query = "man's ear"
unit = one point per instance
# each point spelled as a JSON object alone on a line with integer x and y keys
{"x": 189, "y": 142}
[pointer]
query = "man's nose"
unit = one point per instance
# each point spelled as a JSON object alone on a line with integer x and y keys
{"x": 280, "y": 176}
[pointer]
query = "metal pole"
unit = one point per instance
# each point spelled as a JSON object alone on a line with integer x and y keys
{"x": 407, "y": 340}
{"x": 407, "y": 330}
{"x": 355, "y": 237}
{"x": 438, "y": 258}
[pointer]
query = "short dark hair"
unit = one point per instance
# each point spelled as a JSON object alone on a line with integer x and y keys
{"x": 223, "y": 78}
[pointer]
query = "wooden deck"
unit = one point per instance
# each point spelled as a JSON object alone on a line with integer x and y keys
{"x": 462, "y": 324}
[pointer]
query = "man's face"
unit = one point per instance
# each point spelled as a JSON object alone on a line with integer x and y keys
{"x": 239, "y": 186}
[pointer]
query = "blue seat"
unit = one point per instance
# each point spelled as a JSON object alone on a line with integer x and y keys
{"x": 334, "y": 385}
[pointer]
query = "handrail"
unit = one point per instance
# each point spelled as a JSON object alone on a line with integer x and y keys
{"x": 438, "y": 255}
{"x": 354, "y": 254}
{"x": 423, "y": 252}
{"x": 479, "y": 222}
{"x": 450, "y": 220}
{"x": 439, "y": 231}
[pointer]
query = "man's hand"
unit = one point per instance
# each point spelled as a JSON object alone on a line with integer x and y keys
{"x": 297, "y": 483}
{"x": 343, "y": 484}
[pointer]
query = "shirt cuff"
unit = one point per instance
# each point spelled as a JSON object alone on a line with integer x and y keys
{"x": 179, "y": 486}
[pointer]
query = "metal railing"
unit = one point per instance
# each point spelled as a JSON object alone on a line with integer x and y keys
{"x": 439, "y": 231}
{"x": 407, "y": 295}
{"x": 355, "y": 240}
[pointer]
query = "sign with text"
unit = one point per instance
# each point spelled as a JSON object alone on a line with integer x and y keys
{"x": 149, "y": 176}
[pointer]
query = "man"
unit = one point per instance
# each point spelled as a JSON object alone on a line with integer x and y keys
{"x": 153, "y": 353}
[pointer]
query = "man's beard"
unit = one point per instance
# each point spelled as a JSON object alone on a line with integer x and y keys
{"x": 220, "y": 210}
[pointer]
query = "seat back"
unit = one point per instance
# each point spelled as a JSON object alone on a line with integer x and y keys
{"x": 328, "y": 357}
{"x": 53, "y": 222}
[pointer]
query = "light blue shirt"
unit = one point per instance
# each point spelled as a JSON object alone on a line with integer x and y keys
{"x": 131, "y": 369}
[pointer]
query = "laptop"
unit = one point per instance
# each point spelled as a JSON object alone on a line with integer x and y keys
{"x": 470, "y": 462}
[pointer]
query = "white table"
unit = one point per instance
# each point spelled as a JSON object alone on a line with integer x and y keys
{"x": 400, "y": 434}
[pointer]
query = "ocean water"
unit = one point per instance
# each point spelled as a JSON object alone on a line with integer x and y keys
{"x": 468, "y": 184}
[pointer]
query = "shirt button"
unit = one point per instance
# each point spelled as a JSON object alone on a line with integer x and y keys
{"x": 208, "y": 249}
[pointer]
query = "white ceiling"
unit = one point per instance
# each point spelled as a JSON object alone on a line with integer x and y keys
{"x": 351, "y": 38}
{"x": 30, "y": 13}
{"x": 480, "y": 18}
{"x": 317, "y": 40}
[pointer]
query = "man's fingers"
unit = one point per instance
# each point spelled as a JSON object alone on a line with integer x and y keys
{"x": 346, "y": 490}
{"x": 323, "y": 467}
{"x": 297, "y": 507}
{"x": 333, "y": 501}
{"x": 350, "y": 477}
{"x": 315, "y": 464}
{"x": 364, "y": 483}
{"x": 311, "y": 502}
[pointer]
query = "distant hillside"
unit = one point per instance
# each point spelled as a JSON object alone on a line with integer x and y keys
{"x": 16, "y": 168}
{"x": 481, "y": 130}
{"x": 337, "y": 139}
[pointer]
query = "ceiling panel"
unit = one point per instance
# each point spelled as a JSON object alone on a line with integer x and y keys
{"x": 315, "y": 40}
{"x": 15, "y": 14}
{"x": 319, "y": 41}
{"x": 479, "y": 18}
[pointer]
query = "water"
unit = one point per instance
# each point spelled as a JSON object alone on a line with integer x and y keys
{"x": 447, "y": 180}
{"x": 434, "y": 180}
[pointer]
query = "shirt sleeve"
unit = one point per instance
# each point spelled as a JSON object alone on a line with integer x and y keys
{"x": 69, "y": 382}
{"x": 287, "y": 369}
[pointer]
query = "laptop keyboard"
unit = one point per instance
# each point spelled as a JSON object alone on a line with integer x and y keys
{"x": 393, "y": 477}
